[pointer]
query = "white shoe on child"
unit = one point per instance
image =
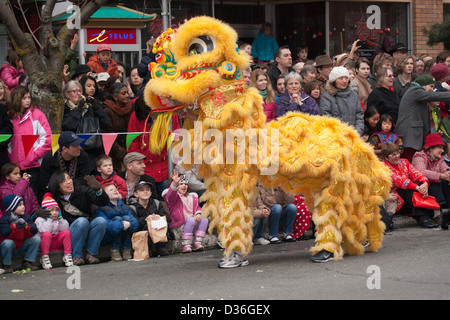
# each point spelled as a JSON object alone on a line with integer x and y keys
{"x": 45, "y": 261}
{"x": 67, "y": 259}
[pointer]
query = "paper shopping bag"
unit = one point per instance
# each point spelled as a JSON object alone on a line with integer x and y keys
{"x": 140, "y": 245}
{"x": 157, "y": 228}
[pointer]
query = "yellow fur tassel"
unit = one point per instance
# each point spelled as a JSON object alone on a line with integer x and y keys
{"x": 160, "y": 132}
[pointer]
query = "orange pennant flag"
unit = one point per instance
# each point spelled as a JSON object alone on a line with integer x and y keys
{"x": 108, "y": 140}
{"x": 28, "y": 141}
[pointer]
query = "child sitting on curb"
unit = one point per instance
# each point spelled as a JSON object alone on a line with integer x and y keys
{"x": 185, "y": 214}
{"x": 143, "y": 205}
{"x": 54, "y": 233}
{"x": 121, "y": 224}
{"x": 17, "y": 234}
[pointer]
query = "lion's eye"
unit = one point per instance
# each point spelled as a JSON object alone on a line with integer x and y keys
{"x": 201, "y": 45}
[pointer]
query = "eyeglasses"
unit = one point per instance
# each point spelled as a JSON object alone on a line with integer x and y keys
{"x": 390, "y": 76}
{"x": 75, "y": 91}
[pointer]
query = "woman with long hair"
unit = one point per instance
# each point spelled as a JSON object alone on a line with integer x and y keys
{"x": 260, "y": 80}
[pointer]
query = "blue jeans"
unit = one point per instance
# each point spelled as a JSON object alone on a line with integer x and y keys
{"x": 29, "y": 249}
{"x": 118, "y": 240}
{"x": 286, "y": 220}
{"x": 259, "y": 225}
{"x": 87, "y": 235}
{"x": 160, "y": 186}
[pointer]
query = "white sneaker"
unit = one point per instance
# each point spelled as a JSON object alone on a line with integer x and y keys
{"x": 45, "y": 261}
{"x": 262, "y": 241}
{"x": 236, "y": 260}
{"x": 67, "y": 259}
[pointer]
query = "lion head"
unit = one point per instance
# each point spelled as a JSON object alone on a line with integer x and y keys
{"x": 200, "y": 55}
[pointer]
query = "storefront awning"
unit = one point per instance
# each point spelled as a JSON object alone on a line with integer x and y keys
{"x": 118, "y": 16}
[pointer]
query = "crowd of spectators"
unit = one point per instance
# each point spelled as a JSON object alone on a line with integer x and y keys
{"x": 78, "y": 199}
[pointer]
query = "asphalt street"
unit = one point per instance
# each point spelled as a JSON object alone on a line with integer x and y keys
{"x": 413, "y": 264}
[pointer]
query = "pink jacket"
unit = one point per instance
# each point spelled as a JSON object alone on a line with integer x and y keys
{"x": 22, "y": 189}
{"x": 10, "y": 75}
{"x": 33, "y": 122}
{"x": 431, "y": 170}
{"x": 175, "y": 205}
{"x": 269, "y": 110}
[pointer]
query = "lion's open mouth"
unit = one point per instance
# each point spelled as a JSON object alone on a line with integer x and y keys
{"x": 168, "y": 102}
{"x": 196, "y": 69}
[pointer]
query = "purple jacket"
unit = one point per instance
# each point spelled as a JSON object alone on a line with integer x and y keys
{"x": 175, "y": 206}
{"x": 22, "y": 189}
{"x": 51, "y": 225}
{"x": 285, "y": 104}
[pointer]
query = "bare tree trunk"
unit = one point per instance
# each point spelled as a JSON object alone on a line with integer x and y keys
{"x": 45, "y": 70}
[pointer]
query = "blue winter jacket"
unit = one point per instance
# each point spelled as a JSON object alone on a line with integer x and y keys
{"x": 264, "y": 47}
{"x": 111, "y": 211}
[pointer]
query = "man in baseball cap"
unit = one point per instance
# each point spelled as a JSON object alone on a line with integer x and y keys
{"x": 70, "y": 158}
{"x": 69, "y": 138}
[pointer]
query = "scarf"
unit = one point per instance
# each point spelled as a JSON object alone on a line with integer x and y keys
{"x": 121, "y": 111}
{"x": 263, "y": 93}
{"x": 72, "y": 166}
{"x": 71, "y": 105}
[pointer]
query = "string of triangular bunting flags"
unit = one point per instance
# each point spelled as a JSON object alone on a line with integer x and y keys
{"x": 28, "y": 140}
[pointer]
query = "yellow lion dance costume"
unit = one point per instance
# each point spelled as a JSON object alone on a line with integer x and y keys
{"x": 198, "y": 67}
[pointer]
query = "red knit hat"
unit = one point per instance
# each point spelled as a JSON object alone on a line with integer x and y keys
{"x": 48, "y": 201}
{"x": 440, "y": 71}
{"x": 433, "y": 139}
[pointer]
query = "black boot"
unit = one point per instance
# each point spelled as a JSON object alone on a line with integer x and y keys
{"x": 445, "y": 218}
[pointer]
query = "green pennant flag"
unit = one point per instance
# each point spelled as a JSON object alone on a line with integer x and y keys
{"x": 4, "y": 137}
{"x": 131, "y": 137}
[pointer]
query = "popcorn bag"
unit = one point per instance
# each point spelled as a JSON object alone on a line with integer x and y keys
{"x": 140, "y": 245}
{"x": 157, "y": 228}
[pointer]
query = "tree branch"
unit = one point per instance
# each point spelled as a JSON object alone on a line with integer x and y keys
{"x": 28, "y": 26}
{"x": 9, "y": 20}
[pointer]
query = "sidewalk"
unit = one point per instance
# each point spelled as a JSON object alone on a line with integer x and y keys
{"x": 175, "y": 246}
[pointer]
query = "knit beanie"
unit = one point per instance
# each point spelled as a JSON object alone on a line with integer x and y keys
{"x": 338, "y": 72}
{"x": 440, "y": 71}
{"x": 424, "y": 80}
{"x": 48, "y": 202}
{"x": 11, "y": 202}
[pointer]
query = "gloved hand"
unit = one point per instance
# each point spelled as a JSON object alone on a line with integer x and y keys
{"x": 42, "y": 213}
{"x": 21, "y": 222}
{"x": 92, "y": 183}
{"x": 14, "y": 218}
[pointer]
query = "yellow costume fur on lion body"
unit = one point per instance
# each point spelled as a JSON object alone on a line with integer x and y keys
{"x": 319, "y": 157}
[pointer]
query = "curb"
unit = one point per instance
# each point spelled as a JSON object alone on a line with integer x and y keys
{"x": 173, "y": 246}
